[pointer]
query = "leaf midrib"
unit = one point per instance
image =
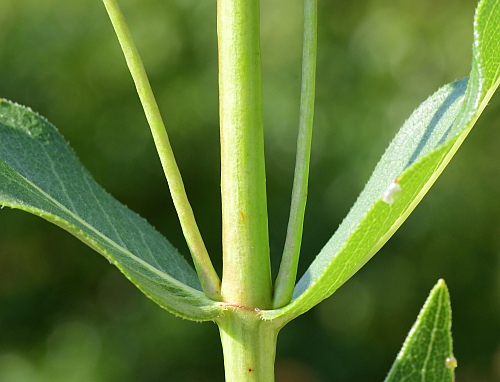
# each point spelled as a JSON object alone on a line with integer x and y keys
{"x": 33, "y": 188}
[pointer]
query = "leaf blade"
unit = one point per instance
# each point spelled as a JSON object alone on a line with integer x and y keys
{"x": 427, "y": 353}
{"x": 414, "y": 160}
{"x": 40, "y": 174}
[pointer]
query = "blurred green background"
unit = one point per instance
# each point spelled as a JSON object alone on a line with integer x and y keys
{"x": 67, "y": 315}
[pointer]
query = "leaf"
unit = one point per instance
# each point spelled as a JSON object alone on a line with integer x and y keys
{"x": 427, "y": 354}
{"x": 40, "y": 174}
{"x": 411, "y": 164}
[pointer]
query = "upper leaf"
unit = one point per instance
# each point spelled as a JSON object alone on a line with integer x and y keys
{"x": 411, "y": 164}
{"x": 427, "y": 354}
{"x": 40, "y": 174}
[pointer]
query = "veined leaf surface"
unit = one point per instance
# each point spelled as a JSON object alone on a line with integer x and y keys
{"x": 410, "y": 166}
{"x": 40, "y": 174}
{"x": 427, "y": 354}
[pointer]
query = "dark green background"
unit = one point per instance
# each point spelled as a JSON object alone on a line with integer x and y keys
{"x": 67, "y": 315}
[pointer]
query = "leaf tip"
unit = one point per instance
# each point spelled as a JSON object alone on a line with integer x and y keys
{"x": 441, "y": 284}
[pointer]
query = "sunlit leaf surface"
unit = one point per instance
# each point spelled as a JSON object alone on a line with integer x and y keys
{"x": 410, "y": 166}
{"x": 427, "y": 354}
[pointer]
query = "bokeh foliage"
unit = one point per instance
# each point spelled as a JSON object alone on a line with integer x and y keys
{"x": 67, "y": 315}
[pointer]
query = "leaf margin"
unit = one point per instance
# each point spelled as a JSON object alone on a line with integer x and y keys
{"x": 475, "y": 95}
{"x": 184, "y": 300}
{"x": 438, "y": 300}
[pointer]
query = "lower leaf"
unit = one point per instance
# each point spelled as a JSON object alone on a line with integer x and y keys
{"x": 40, "y": 174}
{"x": 427, "y": 353}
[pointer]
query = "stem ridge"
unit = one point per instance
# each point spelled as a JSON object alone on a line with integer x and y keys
{"x": 287, "y": 273}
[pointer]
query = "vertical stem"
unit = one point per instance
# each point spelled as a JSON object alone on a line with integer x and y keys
{"x": 208, "y": 277}
{"x": 247, "y": 275}
{"x": 287, "y": 274}
{"x": 249, "y": 346}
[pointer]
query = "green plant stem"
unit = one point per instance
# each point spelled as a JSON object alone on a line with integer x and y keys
{"x": 246, "y": 276}
{"x": 208, "y": 277}
{"x": 249, "y": 346}
{"x": 287, "y": 274}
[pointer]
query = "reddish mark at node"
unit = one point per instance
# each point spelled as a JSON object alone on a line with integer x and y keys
{"x": 242, "y": 217}
{"x": 226, "y": 305}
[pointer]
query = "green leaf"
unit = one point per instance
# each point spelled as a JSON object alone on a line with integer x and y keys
{"x": 427, "y": 354}
{"x": 411, "y": 164}
{"x": 40, "y": 174}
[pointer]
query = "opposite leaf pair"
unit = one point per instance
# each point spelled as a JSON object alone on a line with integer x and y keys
{"x": 40, "y": 174}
